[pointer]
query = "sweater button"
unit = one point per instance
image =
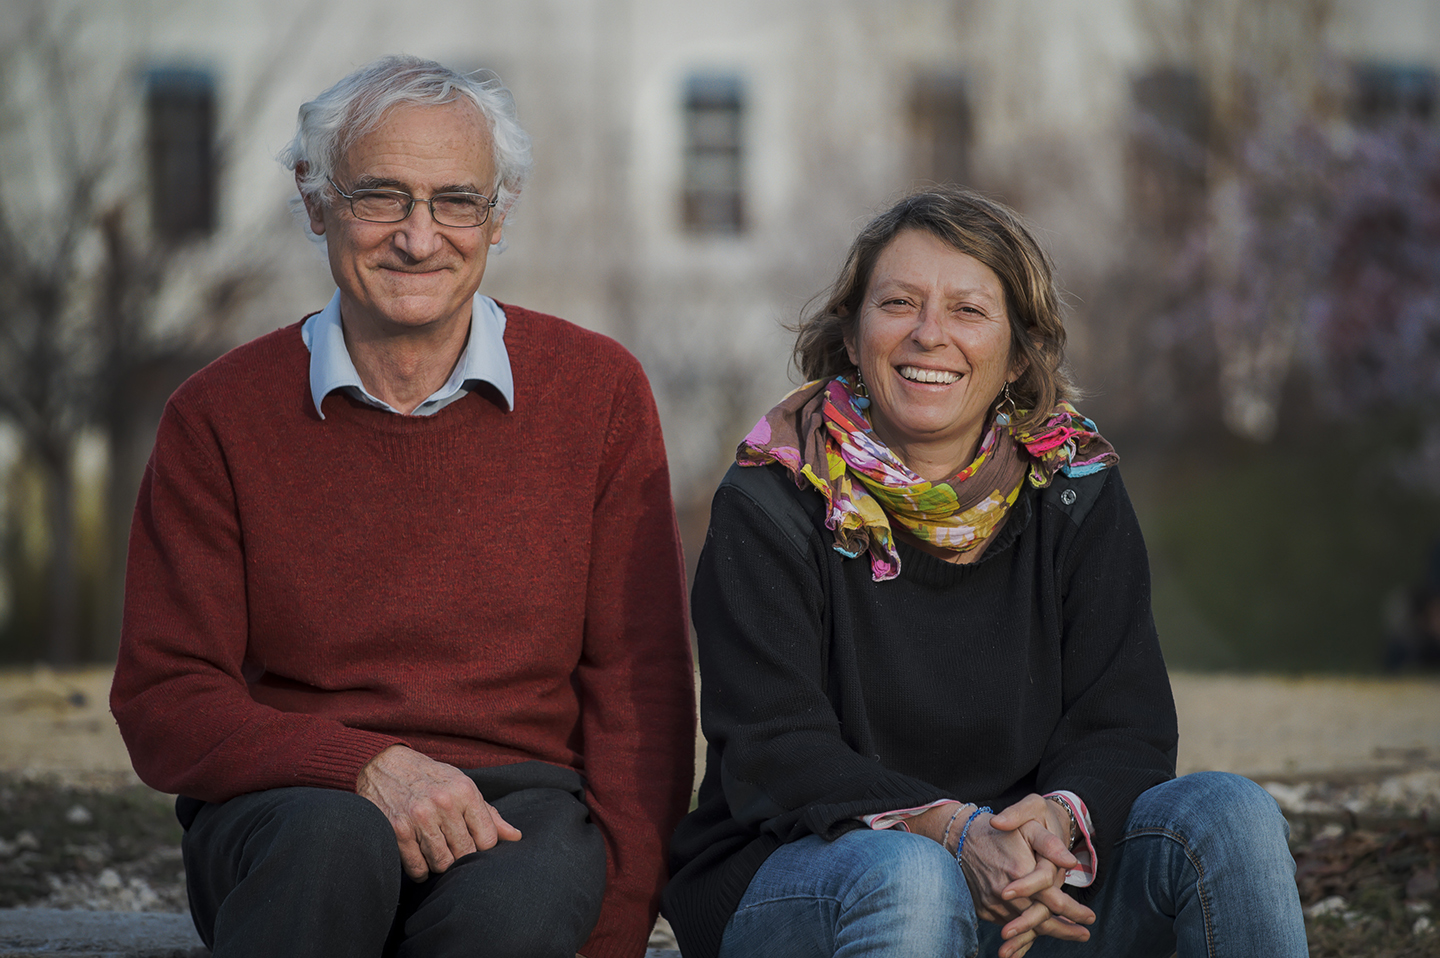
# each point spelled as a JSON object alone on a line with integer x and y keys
{"x": 1068, "y": 497}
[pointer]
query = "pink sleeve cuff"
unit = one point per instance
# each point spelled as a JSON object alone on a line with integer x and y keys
{"x": 1084, "y": 849}
{"x": 896, "y": 818}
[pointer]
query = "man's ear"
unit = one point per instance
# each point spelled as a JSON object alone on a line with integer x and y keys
{"x": 313, "y": 210}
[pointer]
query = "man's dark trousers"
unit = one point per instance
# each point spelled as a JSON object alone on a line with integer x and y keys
{"x": 316, "y": 872}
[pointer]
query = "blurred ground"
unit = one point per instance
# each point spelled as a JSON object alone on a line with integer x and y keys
{"x": 1265, "y": 726}
{"x": 1354, "y": 762}
{"x": 59, "y": 724}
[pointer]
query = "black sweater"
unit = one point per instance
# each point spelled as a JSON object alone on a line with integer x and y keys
{"x": 827, "y": 695}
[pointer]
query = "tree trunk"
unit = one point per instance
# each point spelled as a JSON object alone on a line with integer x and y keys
{"x": 62, "y": 581}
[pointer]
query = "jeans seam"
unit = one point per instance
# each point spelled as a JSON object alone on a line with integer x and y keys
{"x": 1195, "y": 863}
{"x": 808, "y": 896}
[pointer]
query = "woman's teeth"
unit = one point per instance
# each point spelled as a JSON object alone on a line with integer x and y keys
{"x": 918, "y": 375}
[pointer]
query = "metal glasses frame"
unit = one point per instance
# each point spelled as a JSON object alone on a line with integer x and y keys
{"x": 489, "y": 204}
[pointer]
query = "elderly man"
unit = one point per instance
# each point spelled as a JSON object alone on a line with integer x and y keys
{"x": 404, "y": 619}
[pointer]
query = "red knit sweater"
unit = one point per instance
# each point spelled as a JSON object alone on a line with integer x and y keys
{"x": 481, "y": 585}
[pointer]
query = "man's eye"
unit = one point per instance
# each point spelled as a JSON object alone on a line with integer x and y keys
{"x": 379, "y": 203}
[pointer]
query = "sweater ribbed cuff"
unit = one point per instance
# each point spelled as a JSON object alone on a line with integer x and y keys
{"x": 337, "y": 761}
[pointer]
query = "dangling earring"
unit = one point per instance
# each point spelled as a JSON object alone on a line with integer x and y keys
{"x": 1003, "y": 417}
{"x": 862, "y": 395}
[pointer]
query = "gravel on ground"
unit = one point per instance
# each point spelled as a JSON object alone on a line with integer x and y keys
{"x": 1353, "y": 762}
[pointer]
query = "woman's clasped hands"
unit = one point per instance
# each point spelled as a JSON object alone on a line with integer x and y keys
{"x": 1015, "y": 864}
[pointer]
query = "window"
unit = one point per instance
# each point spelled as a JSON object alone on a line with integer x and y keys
{"x": 941, "y": 128}
{"x": 180, "y": 134}
{"x": 1167, "y": 150}
{"x": 1385, "y": 92}
{"x": 714, "y": 193}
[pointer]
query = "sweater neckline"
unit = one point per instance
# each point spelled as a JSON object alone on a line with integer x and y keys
{"x": 343, "y": 407}
{"x": 350, "y": 409}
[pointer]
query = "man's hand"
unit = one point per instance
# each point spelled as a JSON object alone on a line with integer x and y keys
{"x": 437, "y": 812}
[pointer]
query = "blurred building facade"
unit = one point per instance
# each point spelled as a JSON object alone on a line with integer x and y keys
{"x": 701, "y": 166}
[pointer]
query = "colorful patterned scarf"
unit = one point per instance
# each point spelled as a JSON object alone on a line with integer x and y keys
{"x": 822, "y": 436}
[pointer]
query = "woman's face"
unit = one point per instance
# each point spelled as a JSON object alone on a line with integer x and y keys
{"x": 933, "y": 343}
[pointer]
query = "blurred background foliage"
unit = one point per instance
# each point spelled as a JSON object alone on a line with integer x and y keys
{"x": 1300, "y": 555}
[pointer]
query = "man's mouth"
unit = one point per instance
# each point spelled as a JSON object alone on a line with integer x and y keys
{"x": 939, "y": 376}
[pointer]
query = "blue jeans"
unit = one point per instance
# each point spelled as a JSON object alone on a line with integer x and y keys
{"x": 1203, "y": 868}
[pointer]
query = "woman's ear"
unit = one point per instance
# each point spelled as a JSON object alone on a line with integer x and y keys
{"x": 1018, "y": 367}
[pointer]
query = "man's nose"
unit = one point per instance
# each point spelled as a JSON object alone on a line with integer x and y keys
{"x": 418, "y": 235}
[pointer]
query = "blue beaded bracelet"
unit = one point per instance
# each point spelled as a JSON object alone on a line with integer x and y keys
{"x": 960, "y": 846}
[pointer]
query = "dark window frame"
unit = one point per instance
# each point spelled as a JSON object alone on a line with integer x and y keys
{"x": 1393, "y": 92}
{"x": 1168, "y": 149}
{"x": 713, "y": 189}
{"x": 180, "y": 122}
{"x": 942, "y": 128}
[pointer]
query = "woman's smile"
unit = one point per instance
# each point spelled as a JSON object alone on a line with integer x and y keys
{"x": 938, "y": 376}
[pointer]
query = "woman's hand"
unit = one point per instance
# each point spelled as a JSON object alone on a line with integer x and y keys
{"x": 1044, "y": 907}
{"x": 992, "y": 864}
{"x": 1015, "y": 865}
{"x": 1045, "y": 827}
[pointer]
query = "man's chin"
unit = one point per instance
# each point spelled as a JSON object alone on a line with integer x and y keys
{"x": 417, "y": 314}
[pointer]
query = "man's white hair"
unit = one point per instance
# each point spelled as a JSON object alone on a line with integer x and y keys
{"x": 331, "y": 122}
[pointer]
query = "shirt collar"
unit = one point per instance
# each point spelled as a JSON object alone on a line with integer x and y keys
{"x": 484, "y": 358}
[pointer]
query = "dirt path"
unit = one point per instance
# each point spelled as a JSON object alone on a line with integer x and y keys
{"x": 59, "y": 723}
{"x": 1306, "y": 727}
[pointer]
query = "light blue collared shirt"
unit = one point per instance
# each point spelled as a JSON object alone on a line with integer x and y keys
{"x": 484, "y": 359}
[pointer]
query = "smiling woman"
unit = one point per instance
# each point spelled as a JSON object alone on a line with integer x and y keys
{"x": 923, "y": 598}
{"x": 933, "y": 348}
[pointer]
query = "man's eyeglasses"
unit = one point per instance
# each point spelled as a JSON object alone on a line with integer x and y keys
{"x": 394, "y": 206}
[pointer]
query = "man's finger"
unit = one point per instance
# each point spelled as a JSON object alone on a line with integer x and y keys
{"x": 503, "y": 829}
{"x": 480, "y": 821}
{"x": 411, "y": 858}
{"x": 488, "y": 827}
{"x": 435, "y": 847}
{"x": 459, "y": 840}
